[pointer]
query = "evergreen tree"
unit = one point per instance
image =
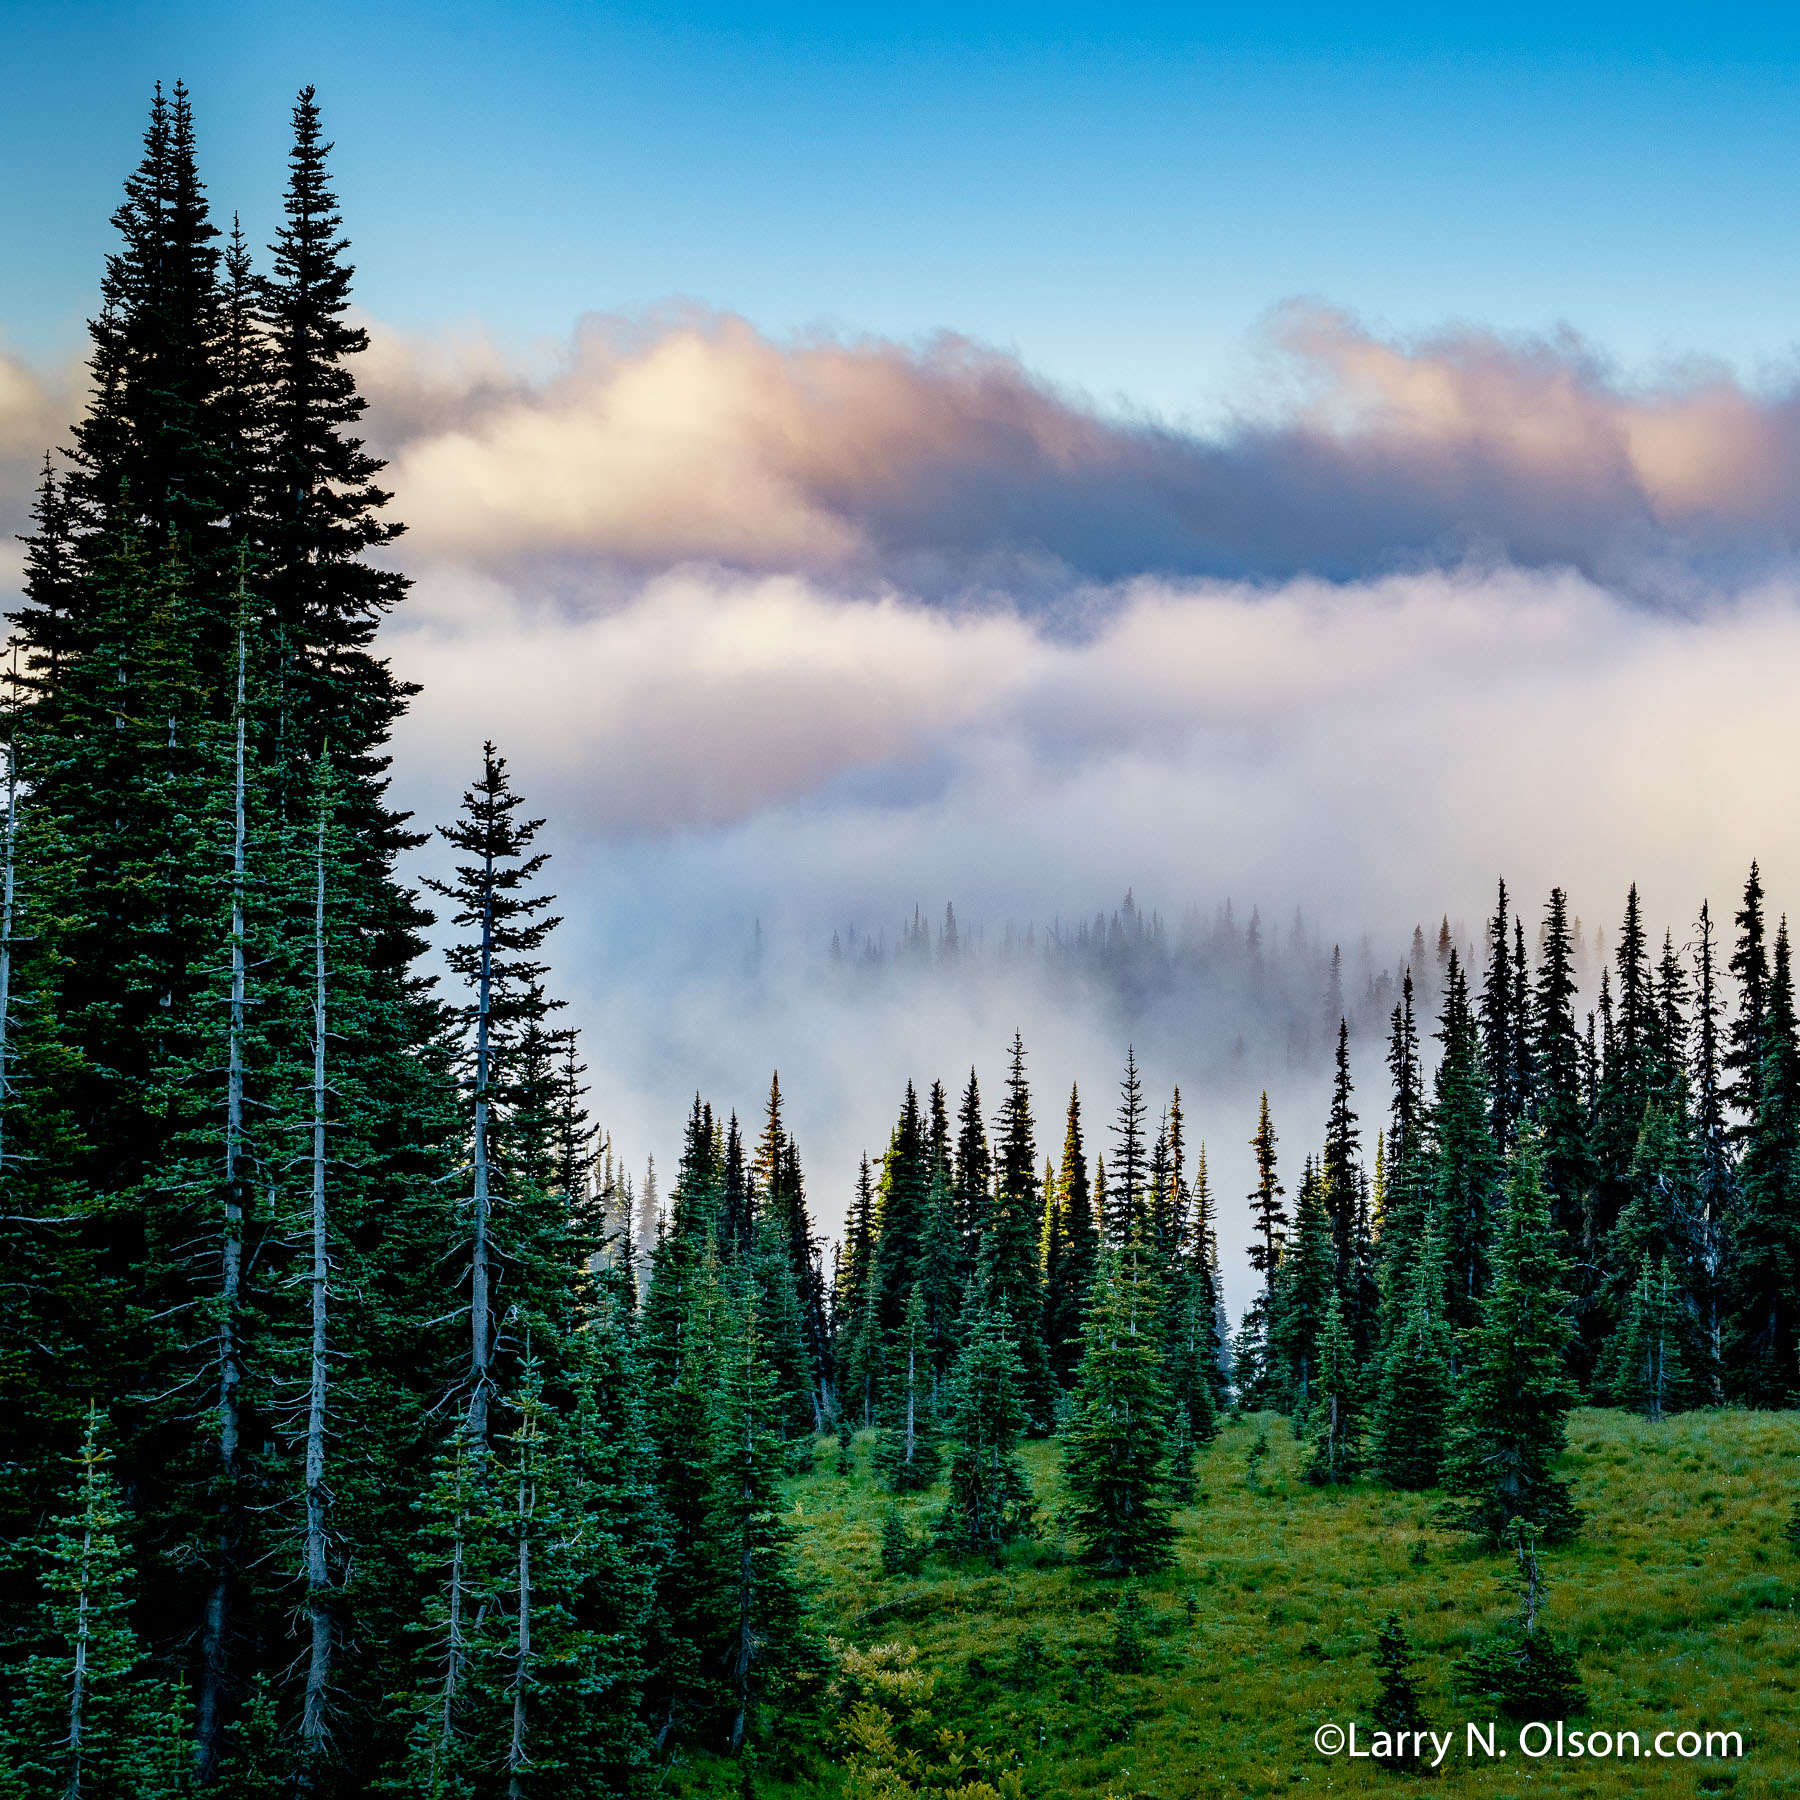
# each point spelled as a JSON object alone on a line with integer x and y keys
{"x": 1668, "y": 1026}
{"x": 1462, "y": 1150}
{"x": 1269, "y": 1220}
{"x": 1506, "y": 1430}
{"x": 604, "y": 1565}
{"x": 1500, "y": 1027}
{"x": 1555, "y": 1104}
{"x": 941, "y": 1296}
{"x": 1268, "y": 1217}
{"x": 1115, "y": 1458}
{"x": 1128, "y": 1200}
{"x": 1660, "y": 1225}
{"x": 492, "y": 897}
{"x": 766, "y": 1275}
{"x": 990, "y": 1503}
{"x": 1763, "y": 1347}
{"x": 328, "y": 600}
{"x": 1526, "y": 1671}
{"x": 777, "y": 1175}
{"x": 1712, "y": 1142}
{"x": 1405, "y": 1187}
{"x": 1210, "y": 1279}
{"x": 1649, "y": 1373}
{"x": 769, "y": 1660}
{"x": 1335, "y": 1416}
{"x": 144, "y": 453}
{"x": 1399, "y": 1711}
{"x": 735, "y": 1197}
{"x": 46, "y": 628}
{"x": 974, "y": 1177}
{"x": 906, "y": 1455}
{"x": 1748, "y": 1033}
{"x": 1413, "y": 1395}
{"x": 900, "y": 1218}
{"x": 1007, "y": 1271}
{"x": 1304, "y": 1282}
{"x": 686, "y": 1338}
{"x": 855, "y": 1344}
{"x": 457, "y": 1559}
{"x": 1339, "y": 1168}
{"x": 1053, "y": 1261}
{"x": 85, "y": 1711}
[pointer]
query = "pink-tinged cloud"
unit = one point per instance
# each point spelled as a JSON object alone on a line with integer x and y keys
{"x": 35, "y": 410}
{"x": 949, "y": 467}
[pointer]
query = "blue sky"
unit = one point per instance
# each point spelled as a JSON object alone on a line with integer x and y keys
{"x": 1116, "y": 194}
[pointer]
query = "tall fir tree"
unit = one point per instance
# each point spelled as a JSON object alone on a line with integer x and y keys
{"x": 1340, "y": 1167}
{"x": 1335, "y": 1417}
{"x": 1466, "y": 1167}
{"x": 1555, "y": 1104}
{"x": 1251, "y": 1355}
{"x": 1007, "y": 1270}
{"x": 1764, "y": 1339}
{"x": 990, "y": 1503}
{"x": 1116, "y": 1452}
{"x": 907, "y": 1453}
{"x": 1406, "y": 1170}
{"x": 974, "y": 1176}
{"x": 1500, "y": 1026}
{"x": 1069, "y": 1290}
{"x": 1414, "y": 1385}
{"x": 1746, "y": 1037}
{"x": 1507, "y": 1428}
{"x": 493, "y": 898}
{"x": 1302, "y": 1287}
{"x": 1716, "y": 1171}
{"x": 770, "y": 1661}
{"x": 87, "y": 1717}
{"x": 1127, "y": 1202}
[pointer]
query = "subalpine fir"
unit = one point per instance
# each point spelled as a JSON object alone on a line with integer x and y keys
{"x": 1465, "y": 1164}
{"x": 767, "y": 1657}
{"x": 1007, "y": 1267}
{"x": 1764, "y": 1328}
{"x": 1335, "y": 1415}
{"x": 1414, "y": 1386}
{"x": 1069, "y": 1276}
{"x": 1507, "y": 1427}
{"x": 906, "y": 1456}
{"x": 990, "y": 1503}
{"x": 1116, "y": 1450}
{"x": 1302, "y": 1286}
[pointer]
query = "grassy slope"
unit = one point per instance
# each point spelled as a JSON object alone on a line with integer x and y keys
{"x": 1680, "y": 1595}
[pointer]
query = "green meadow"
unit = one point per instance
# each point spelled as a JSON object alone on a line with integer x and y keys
{"x": 1679, "y": 1596}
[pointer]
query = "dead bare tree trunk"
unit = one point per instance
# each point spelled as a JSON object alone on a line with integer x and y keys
{"x": 454, "y": 1645}
{"x": 480, "y": 1326}
{"x": 318, "y": 1671}
{"x": 516, "y": 1758}
{"x": 480, "y": 1308}
{"x": 209, "y": 1716}
{"x": 6, "y": 944}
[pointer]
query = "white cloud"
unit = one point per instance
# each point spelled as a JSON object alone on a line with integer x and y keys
{"x": 950, "y": 467}
{"x": 721, "y": 749}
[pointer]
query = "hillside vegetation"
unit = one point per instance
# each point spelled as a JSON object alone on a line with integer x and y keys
{"x": 1679, "y": 1595}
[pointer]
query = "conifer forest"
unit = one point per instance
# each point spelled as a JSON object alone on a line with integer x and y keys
{"x": 367, "y": 1430}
